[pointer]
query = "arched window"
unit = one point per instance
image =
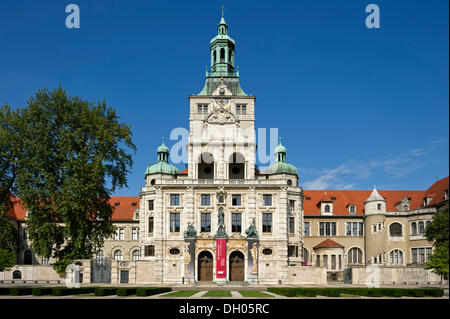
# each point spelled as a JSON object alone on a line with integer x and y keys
{"x": 27, "y": 257}
{"x": 222, "y": 55}
{"x": 354, "y": 256}
{"x": 16, "y": 274}
{"x": 413, "y": 229}
{"x": 396, "y": 256}
{"x": 236, "y": 166}
{"x": 206, "y": 166}
{"x": 327, "y": 208}
{"x": 421, "y": 228}
{"x": 136, "y": 254}
{"x": 395, "y": 230}
{"x": 118, "y": 255}
{"x": 214, "y": 57}
{"x": 289, "y": 182}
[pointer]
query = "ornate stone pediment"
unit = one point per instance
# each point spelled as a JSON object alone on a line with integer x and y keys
{"x": 205, "y": 236}
{"x": 221, "y": 116}
{"x": 237, "y": 236}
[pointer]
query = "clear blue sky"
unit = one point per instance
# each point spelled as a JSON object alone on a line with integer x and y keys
{"x": 355, "y": 106}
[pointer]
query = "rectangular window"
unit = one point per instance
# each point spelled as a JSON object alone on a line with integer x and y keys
{"x": 421, "y": 255}
{"x": 236, "y": 222}
{"x": 150, "y": 225}
{"x": 293, "y": 251}
{"x": 206, "y": 200}
{"x": 352, "y": 209}
{"x": 374, "y": 228}
{"x": 202, "y": 108}
{"x": 149, "y": 250}
{"x": 333, "y": 261}
{"x": 306, "y": 228}
{"x": 428, "y": 254}
{"x": 174, "y": 222}
{"x": 236, "y": 200}
{"x": 267, "y": 222}
{"x": 291, "y": 205}
{"x": 241, "y": 109}
{"x": 205, "y": 222}
{"x": 325, "y": 261}
{"x": 379, "y": 206}
{"x": 348, "y": 229}
{"x": 318, "y": 261}
{"x": 355, "y": 229}
{"x": 291, "y": 225}
{"x": 267, "y": 200}
{"x": 119, "y": 235}
{"x": 134, "y": 233}
{"x": 360, "y": 229}
{"x": 174, "y": 199}
{"x": 321, "y": 228}
{"x": 414, "y": 255}
{"x": 151, "y": 204}
{"x": 327, "y": 228}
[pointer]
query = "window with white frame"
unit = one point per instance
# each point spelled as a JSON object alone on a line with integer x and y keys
{"x": 354, "y": 228}
{"x": 327, "y": 228}
{"x": 413, "y": 229}
{"x": 120, "y": 234}
{"x": 136, "y": 255}
{"x": 45, "y": 261}
{"x": 134, "y": 233}
{"x": 354, "y": 256}
{"x": 396, "y": 256}
{"x": 306, "y": 228}
{"x": 352, "y": 209}
{"x": 118, "y": 255}
{"x": 202, "y": 108}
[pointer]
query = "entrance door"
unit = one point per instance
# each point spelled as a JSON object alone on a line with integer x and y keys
{"x": 124, "y": 274}
{"x": 237, "y": 266}
{"x": 205, "y": 266}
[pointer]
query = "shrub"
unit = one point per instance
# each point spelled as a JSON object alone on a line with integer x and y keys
{"x": 126, "y": 291}
{"x": 41, "y": 291}
{"x": 434, "y": 292}
{"x": 149, "y": 291}
{"x": 105, "y": 291}
{"x": 4, "y": 291}
{"x": 20, "y": 291}
{"x": 64, "y": 291}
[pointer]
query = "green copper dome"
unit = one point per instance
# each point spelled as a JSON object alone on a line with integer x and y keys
{"x": 281, "y": 167}
{"x": 163, "y": 166}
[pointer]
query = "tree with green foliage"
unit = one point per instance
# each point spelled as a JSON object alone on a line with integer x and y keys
{"x": 438, "y": 231}
{"x": 72, "y": 155}
{"x": 7, "y": 259}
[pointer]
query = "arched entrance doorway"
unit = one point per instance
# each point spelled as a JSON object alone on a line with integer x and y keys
{"x": 205, "y": 266}
{"x": 237, "y": 266}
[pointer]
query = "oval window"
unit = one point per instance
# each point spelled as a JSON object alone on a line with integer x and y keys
{"x": 267, "y": 251}
{"x": 289, "y": 182}
{"x": 174, "y": 251}
{"x": 153, "y": 182}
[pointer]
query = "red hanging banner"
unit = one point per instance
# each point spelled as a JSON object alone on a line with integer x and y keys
{"x": 221, "y": 258}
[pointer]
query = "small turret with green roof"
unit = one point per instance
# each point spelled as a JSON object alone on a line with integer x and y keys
{"x": 281, "y": 167}
{"x": 162, "y": 166}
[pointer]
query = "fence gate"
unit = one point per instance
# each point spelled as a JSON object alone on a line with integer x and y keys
{"x": 101, "y": 271}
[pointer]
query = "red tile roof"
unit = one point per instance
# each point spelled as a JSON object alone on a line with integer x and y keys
{"x": 437, "y": 191}
{"x": 124, "y": 211}
{"x": 328, "y": 243}
{"x": 357, "y": 198}
{"x": 185, "y": 171}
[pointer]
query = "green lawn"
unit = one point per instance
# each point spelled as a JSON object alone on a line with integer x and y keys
{"x": 217, "y": 293}
{"x": 181, "y": 293}
{"x": 253, "y": 293}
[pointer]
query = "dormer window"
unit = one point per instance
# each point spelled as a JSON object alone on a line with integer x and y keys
{"x": 116, "y": 204}
{"x": 352, "y": 209}
{"x": 333, "y": 198}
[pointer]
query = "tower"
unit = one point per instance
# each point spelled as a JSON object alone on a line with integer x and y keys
{"x": 221, "y": 123}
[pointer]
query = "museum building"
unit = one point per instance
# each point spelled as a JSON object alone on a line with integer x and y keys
{"x": 222, "y": 220}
